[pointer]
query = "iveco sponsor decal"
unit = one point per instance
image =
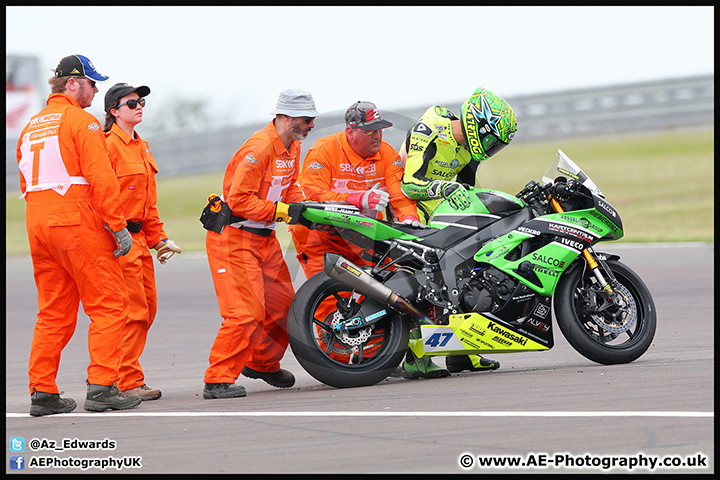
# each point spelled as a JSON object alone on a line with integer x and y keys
{"x": 575, "y": 245}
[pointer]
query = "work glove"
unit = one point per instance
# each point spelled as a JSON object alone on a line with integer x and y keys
{"x": 414, "y": 222}
{"x": 373, "y": 199}
{"x": 288, "y": 212}
{"x": 124, "y": 240}
{"x": 453, "y": 192}
{"x": 166, "y": 250}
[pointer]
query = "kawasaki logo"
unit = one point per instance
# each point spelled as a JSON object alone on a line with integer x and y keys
{"x": 509, "y": 335}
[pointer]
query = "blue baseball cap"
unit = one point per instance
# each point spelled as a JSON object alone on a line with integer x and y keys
{"x": 79, "y": 65}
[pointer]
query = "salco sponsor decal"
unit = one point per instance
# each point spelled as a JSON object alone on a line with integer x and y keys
{"x": 548, "y": 260}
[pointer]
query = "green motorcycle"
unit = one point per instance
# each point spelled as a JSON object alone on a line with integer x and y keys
{"x": 478, "y": 281}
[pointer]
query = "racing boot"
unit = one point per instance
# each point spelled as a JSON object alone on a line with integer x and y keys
{"x": 414, "y": 367}
{"x": 473, "y": 363}
{"x": 42, "y": 403}
{"x": 280, "y": 379}
{"x": 109, "y": 397}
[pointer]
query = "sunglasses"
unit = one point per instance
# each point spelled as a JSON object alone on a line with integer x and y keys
{"x": 132, "y": 104}
{"x": 369, "y": 133}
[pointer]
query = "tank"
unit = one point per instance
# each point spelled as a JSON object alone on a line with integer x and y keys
{"x": 487, "y": 206}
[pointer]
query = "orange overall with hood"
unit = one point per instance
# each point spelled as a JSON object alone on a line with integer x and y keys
{"x": 135, "y": 168}
{"x": 252, "y": 281}
{"x": 72, "y": 193}
{"x": 330, "y": 172}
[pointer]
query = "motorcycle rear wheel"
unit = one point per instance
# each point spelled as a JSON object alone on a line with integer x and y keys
{"x": 600, "y": 337}
{"x": 337, "y": 357}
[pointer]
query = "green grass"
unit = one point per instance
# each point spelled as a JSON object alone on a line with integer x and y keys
{"x": 661, "y": 183}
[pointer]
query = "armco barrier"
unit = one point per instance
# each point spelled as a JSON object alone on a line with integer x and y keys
{"x": 656, "y": 105}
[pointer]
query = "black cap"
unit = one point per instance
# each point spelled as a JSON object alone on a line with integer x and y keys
{"x": 365, "y": 116}
{"x": 119, "y": 90}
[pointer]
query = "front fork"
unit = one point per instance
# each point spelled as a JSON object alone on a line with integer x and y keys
{"x": 592, "y": 263}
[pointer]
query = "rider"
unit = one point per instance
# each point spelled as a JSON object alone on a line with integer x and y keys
{"x": 438, "y": 148}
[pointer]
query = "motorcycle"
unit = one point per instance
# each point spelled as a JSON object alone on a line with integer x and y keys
{"x": 483, "y": 280}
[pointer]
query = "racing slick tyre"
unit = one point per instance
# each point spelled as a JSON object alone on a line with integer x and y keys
{"x": 618, "y": 333}
{"x": 342, "y": 338}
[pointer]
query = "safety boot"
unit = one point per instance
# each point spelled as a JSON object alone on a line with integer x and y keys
{"x": 473, "y": 363}
{"x": 414, "y": 367}
{"x": 144, "y": 392}
{"x": 100, "y": 398}
{"x": 281, "y": 378}
{"x": 43, "y": 403}
{"x": 223, "y": 390}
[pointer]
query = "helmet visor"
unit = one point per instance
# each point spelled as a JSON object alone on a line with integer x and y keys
{"x": 491, "y": 144}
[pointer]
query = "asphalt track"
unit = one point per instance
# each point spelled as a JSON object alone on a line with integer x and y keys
{"x": 555, "y": 410}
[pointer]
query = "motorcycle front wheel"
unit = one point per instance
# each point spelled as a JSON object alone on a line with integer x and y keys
{"x": 618, "y": 334}
{"x": 327, "y": 342}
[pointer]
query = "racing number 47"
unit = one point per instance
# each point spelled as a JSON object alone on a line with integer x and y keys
{"x": 439, "y": 339}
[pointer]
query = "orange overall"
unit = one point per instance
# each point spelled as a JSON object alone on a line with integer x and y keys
{"x": 72, "y": 193}
{"x": 330, "y": 172}
{"x": 251, "y": 278}
{"x": 135, "y": 169}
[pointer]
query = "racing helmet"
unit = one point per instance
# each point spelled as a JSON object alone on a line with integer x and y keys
{"x": 488, "y": 123}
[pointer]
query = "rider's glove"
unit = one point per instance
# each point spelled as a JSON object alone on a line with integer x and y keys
{"x": 165, "y": 250}
{"x": 414, "y": 222}
{"x": 288, "y": 212}
{"x": 124, "y": 240}
{"x": 373, "y": 199}
{"x": 455, "y": 193}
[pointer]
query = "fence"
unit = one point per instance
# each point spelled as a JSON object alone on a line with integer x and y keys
{"x": 654, "y": 105}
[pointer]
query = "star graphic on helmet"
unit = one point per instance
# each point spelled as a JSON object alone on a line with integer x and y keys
{"x": 486, "y": 114}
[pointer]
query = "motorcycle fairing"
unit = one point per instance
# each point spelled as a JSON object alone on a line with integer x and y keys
{"x": 472, "y": 333}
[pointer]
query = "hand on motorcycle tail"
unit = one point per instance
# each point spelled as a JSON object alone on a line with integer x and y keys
{"x": 373, "y": 199}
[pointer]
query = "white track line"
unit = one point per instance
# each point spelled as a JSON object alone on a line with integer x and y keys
{"x": 381, "y": 414}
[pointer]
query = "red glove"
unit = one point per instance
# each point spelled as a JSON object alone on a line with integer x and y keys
{"x": 373, "y": 199}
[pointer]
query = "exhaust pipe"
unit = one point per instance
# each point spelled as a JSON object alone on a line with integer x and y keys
{"x": 343, "y": 270}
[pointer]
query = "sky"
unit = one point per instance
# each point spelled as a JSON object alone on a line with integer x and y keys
{"x": 236, "y": 60}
